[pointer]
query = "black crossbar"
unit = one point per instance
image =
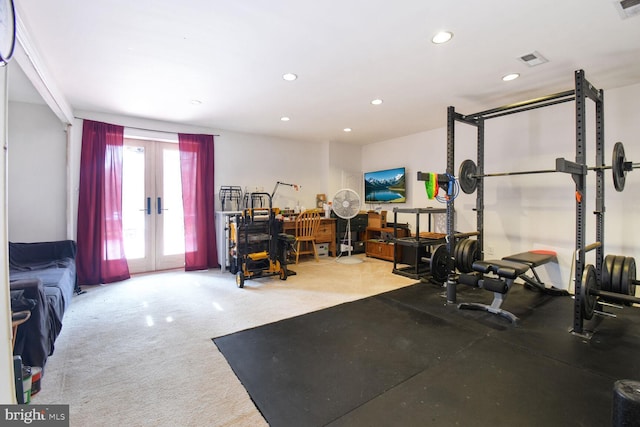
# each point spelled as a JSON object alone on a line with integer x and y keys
{"x": 543, "y": 101}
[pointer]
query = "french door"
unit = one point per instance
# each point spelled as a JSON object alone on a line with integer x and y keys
{"x": 152, "y": 215}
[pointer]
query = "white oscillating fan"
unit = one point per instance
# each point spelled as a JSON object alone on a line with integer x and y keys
{"x": 346, "y": 205}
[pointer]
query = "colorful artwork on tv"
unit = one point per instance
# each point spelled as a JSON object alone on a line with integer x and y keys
{"x": 385, "y": 186}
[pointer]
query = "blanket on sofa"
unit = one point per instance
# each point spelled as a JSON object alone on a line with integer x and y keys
{"x": 45, "y": 272}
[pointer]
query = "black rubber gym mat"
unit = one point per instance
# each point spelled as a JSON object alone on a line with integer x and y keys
{"x": 406, "y": 358}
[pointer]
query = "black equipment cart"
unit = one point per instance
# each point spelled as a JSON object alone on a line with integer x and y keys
{"x": 257, "y": 246}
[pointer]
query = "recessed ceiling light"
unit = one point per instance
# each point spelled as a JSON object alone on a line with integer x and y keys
{"x": 510, "y": 77}
{"x": 285, "y": 118}
{"x": 289, "y": 77}
{"x": 347, "y": 129}
{"x": 196, "y": 102}
{"x": 377, "y": 101}
{"x": 442, "y": 37}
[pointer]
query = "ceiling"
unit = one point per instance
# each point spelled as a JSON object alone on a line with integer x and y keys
{"x": 152, "y": 58}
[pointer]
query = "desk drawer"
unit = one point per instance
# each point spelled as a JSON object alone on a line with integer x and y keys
{"x": 325, "y": 233}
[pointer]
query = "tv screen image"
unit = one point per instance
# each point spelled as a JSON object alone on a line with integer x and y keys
{"x": 385, "y": 186}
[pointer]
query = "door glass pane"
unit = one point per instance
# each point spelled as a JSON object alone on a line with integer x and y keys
{"x": 133, "y": 201}
{"x": 173, "y": 214}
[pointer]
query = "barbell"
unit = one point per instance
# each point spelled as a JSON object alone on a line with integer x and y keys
{"x": 468, "y": 172}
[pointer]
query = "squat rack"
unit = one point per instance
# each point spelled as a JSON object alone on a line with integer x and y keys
{"x": 583, "y": 90}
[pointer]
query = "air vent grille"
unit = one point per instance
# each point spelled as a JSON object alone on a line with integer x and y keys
{"x": 628, "y": 8}
{"x": 532, "y": 59}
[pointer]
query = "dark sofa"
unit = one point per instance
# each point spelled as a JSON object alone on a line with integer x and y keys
{"x": 44, "y": 274}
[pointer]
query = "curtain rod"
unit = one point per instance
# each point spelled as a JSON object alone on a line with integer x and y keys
{"x": 139, "y": 128}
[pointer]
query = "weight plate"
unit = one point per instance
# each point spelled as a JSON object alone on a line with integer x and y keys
{"x": 632, "y": 277}
{"x": 460, "y": 255}
{"x": 618, "y": 159}
{"x": 616, "y": 274}
{"x": 628, "y": 275}
{"x": 461, "y": 258}
{"x": 607, "y": 267}
{"x": 472, "y": 254}
{"x": 468, "y": 255}
{"x": 587, "y": 299}
{"x": 439, "y": 264}
{"x": 467, "y": 176}
{"x": 457, "y": 253}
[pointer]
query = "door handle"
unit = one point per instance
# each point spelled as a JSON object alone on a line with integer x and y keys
{"x": 148, "y": 208}
{"x": 159, "y": 204}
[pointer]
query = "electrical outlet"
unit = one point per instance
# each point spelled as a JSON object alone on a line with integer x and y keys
{"x": 489, "y": 250}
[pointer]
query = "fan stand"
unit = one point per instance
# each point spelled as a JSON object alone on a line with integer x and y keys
{"x": 349, "y": 259}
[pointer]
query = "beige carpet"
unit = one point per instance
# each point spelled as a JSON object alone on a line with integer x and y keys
{"x": 139, "y": 352}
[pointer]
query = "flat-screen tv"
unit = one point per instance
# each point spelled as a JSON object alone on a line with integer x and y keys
{"x": 385, "y": 186}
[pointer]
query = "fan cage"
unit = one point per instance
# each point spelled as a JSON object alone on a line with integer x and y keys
{"x": 346, "y": 203}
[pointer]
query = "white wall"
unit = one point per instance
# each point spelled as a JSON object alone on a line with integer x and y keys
{"x": 256, "y": 162}
{"x": 37, "y": 174}
{"x": 344, "y": 168}
{"x": 531, "y": 211}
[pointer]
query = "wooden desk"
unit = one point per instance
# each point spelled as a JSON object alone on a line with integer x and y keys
{"x": 326, "y": 232}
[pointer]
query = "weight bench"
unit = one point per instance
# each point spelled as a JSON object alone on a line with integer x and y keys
{"x": 506, "y": 272}
{"x": 534, "y": 259}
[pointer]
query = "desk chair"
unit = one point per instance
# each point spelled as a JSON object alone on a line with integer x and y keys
{"x": 307, "y": 224}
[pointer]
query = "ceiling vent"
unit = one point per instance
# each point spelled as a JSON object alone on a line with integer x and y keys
{"x": 532, "y": 59}
{"x": 628, "y": 8}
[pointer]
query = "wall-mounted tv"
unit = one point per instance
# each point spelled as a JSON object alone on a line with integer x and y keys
{"x": 385, "y": 186}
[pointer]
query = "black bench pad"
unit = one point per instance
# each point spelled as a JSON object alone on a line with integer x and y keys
{"x": 533, "y": 258}
{"x": 501, "y": 267}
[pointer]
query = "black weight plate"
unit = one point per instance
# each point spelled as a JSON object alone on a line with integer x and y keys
{"x": 462, "y": 266}
{"x": 469, "y": 255}
{"x": 587, "y": 299}
{"x": 632, "y": 277}
{"x": 616, "y": 274}
{"x": 439, "y": 264}
{"x": 607, "y": 267}
{"x": 472, "y": 254}
{"x": 618, "y": 159}
{"x": 628, "y": 274}
{"x": 457, "y": 253}
{"x": 467, "y": 176}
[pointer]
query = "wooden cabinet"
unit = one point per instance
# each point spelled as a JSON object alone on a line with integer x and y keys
{"x": 379, "y": 242}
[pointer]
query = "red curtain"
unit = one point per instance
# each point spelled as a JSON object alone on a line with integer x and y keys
{"x": 100, "y": 257}
{"x": 196, "y": 164}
